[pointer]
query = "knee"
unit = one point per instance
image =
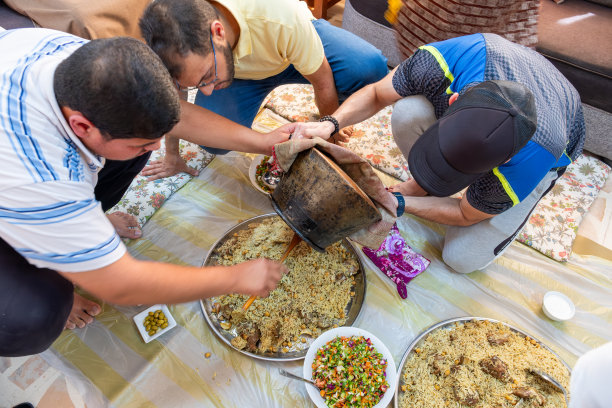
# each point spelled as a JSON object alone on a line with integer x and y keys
{"x": 378, "y": 65}
{"x": 459, "y": 265}
{"x": 411, "y": 117}
{"x": 37, "y": 315}
{"x": 374, "y": 66}
{"x": 415, "y": 111}
{"x": 460, "y": 260}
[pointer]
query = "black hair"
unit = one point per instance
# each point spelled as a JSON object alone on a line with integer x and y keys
{"x": 121, "y": 86}
{"x": 174, "y": 28}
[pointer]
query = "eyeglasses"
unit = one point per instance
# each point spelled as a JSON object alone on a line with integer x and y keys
{"x": 201, "y": 84}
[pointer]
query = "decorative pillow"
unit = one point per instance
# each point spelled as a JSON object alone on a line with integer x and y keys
{"x": 294, "y": 102}
{"x": 372, "y": 139}
{"x": 144, "y": 197}
{"x": 552, "y": 227}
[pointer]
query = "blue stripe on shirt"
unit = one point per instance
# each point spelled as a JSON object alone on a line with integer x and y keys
{"x": 50, "y": 214}
{"x": 22, "y": 139}
{"x": 85, "y": 255}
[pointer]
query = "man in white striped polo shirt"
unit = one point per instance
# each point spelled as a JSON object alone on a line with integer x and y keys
{"x": 66, "y": 105}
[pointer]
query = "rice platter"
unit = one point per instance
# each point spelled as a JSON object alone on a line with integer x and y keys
{"x": 313, "y": 297}
{"x": 479, "y": 363}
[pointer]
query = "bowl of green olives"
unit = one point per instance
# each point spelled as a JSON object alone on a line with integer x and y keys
{"x": 153, "y": 322}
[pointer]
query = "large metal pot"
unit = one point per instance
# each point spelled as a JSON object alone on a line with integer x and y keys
{"x": 320, "y": 202}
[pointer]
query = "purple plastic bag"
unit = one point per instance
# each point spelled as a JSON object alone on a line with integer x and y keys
{"x": 397, "y": 260}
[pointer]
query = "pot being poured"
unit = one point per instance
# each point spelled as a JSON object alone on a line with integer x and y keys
{"x": 320, "y": 202}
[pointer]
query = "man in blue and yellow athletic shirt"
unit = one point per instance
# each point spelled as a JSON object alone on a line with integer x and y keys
{"x": 479, "y": 112}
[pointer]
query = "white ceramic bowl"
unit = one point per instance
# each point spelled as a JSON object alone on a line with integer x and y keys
{"x": 557, "y": 306}
{"x": 253, "y": 172}
{"x": 320, "y": 341}
{"x": 139, "y": 320}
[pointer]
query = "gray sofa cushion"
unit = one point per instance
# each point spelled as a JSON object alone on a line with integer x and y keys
{"x": 382, "y": 36}
{"x": 576, "y": 37}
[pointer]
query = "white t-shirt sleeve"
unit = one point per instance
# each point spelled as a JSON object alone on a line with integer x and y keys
{"x": 591, "y": 380}
{"x": 60, "y": 226}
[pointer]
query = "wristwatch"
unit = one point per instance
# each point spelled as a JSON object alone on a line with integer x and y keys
{"x": 329, "y": 118}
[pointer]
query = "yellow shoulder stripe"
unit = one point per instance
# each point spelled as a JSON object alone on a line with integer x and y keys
{"x": 507, "y": 187}
{"x": 442, "y": 62}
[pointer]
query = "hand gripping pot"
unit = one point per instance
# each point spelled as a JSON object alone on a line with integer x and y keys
{"x": 320, "y": 202}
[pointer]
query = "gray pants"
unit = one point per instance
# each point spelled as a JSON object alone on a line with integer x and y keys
{"x": 466, "y": 249}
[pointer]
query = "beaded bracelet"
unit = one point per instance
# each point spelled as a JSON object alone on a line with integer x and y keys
{"x": 328, "y": 118}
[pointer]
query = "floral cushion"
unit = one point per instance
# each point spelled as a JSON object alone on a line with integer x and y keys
{"x": 372, "y": 139}
{"x": 553, "y": 224}
{"x": 552, "y": 227}
{"x": 144, "y": 197}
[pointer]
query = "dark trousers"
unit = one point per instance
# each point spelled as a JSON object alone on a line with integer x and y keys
{"x": 36, "y": 302}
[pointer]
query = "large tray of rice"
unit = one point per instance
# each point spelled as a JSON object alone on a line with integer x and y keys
{"x": 478, "y": 362}
{"x": 320, "y": 292}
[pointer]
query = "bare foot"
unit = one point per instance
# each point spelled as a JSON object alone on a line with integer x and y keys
{"x": 408, "y": 188}
{"x": 343, "y": 136}
{"x": 402, "y": 188}
{"x": 82, "y": 313}
{"x": 126, "y": 225}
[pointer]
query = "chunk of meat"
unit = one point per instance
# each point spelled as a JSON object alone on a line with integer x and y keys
{"x": 225, "y": 311}
{"x": 495, "y": 367}
{"x": 529, "y": 393}
{"x": 498, "y": 339}
{"x": 252, "y": 339}
{"x": 467, "y": 397}
{"x": 435, "y": 365}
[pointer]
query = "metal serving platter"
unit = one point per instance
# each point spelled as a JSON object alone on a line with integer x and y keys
{"x": 448, "y": 325}
{"x": 297, "y": 352}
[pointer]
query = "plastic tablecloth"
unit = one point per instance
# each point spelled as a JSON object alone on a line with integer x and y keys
{"x": 112, "y": 366}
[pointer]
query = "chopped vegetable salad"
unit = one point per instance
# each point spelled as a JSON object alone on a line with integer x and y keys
{"x": 350, "y": 372}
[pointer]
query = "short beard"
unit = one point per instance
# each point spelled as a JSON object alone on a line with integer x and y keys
{"x": 226, "y": 50}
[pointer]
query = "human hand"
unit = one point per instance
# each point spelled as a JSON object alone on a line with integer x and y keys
{"x": 258, "y": 276}
{"x": 310, "y": 130}
{"x": 278, "y": 135}
{"x": 167, "y": 167}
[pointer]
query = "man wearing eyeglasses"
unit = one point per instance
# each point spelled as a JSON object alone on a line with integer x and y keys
{"x": 234, "y": 52}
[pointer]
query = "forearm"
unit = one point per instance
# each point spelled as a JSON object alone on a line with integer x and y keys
{"x": 367, "y": 101}
{"x": 443, "y": 210}
{"x": 172, "y": 145}
{"x": 326, "y": 99}
{"x": 143, "y": 282}
{"x": 206, "y": 128}
{"x": 358, "y": 107}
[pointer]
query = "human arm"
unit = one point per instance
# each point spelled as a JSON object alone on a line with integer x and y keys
{"x": 206, "y": 128}
{"x": 357, "y": 108}
{"x": 445, "y": 210}
{"x": 129, "y": 281}
{"x": 326, "y": 96}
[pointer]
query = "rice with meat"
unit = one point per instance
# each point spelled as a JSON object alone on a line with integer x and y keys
{"x": 480, "y": 364}
{"x": 310, "y": 299}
